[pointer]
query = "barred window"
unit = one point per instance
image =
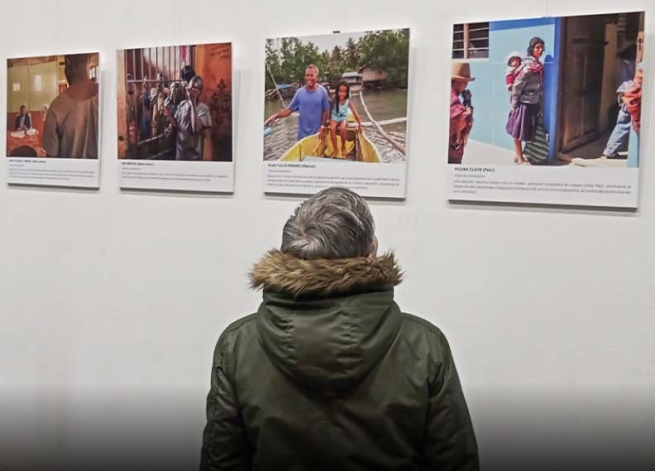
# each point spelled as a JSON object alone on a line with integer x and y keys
{"x": 471, "y": 41}
{"x": 149, "y": 72}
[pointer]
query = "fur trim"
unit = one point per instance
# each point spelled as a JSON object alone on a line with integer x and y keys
{"x": 284, "y": 273}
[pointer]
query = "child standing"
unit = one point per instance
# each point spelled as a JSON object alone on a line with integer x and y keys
{"x": 514, "y": 60}
{"x": 341, "y": 105}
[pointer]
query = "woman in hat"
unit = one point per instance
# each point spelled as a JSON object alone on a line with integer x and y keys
{"x": 461, "y": 113}
{"x": 526, "y": 98}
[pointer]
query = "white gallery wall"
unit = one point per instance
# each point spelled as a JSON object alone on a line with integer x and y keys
{"x": 111, "y": 302}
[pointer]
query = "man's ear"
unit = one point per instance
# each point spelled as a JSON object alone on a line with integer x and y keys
{"x": 374, "y": 250}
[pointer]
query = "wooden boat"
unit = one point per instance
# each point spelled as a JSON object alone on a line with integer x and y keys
{"x": 359, "y": 148}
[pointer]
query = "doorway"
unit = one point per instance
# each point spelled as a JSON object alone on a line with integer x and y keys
{"x": 591, "y": 54}
{"x": 582, "y": 57}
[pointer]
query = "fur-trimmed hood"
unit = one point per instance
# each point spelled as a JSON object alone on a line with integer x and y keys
{"x": 280, "y": 272}
{"x": 327, "y": 323}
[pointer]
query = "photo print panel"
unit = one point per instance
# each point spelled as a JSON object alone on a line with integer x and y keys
{"x": 336, "y": 113}
{"x": 175, "y": 121}
{"x": 547, "y": 110}
{"x": 53, "y": 120}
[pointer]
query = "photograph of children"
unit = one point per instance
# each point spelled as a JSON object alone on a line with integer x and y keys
{"x": 175, "y": 103}
{"x": 52, "y": 106}
{"x": 547, "y": 91}
{"x": 340, "y": 96}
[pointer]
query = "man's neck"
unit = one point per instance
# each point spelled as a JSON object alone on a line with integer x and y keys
{"x": 79, "y": 79}
{"x": 82, "y": 90}
{"x": 312, "y": 88}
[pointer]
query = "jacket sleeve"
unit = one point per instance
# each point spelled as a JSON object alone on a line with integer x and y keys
{"x": 225, "y": 445}
{"x": 449, "y": 439}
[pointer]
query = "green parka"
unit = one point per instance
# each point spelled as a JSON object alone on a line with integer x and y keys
{"x": 329, "y": 374}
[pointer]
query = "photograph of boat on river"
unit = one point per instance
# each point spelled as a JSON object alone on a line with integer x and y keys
{"x": 337, "y": 97}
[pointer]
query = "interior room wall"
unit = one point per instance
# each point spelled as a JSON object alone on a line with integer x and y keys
{"x": 111, "y": 301}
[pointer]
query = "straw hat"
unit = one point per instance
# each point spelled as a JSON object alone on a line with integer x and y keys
{"x": 512, "y": 55}
{"x": 461, "y": 71}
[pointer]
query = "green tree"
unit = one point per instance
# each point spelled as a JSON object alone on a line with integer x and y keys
{"x": 273, "y": 65}
{"x": 337, "y": 65}
{"x": 387, "y": 51}
{"x": 384, "y": 50}
{"x": 352, "y": 54}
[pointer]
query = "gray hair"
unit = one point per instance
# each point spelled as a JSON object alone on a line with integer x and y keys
{"x": 196, "y": 81}
{"x": 334, "y": 223}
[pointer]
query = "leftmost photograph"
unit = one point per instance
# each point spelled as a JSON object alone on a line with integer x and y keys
{"x": 53, "y": 119}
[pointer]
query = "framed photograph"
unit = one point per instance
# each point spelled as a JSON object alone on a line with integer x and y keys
{"x": 336, "y": 113}
{"x": 175, "y": 118}
{"x": 547, "y": 110}
{"x": 53, "y": 128}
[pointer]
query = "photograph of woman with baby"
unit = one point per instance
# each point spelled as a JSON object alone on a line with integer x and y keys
{"x": 563, "y": 98}
{"x": 525, "y": 79}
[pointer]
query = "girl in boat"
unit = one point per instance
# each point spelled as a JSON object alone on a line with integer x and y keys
{"x": 341, "y": 104}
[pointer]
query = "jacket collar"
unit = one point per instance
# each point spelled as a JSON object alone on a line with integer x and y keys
{"x": 283, "y": 273}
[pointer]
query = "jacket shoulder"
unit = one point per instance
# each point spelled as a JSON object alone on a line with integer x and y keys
{"x": 420, "y": 324}
{"x": 423, "y": 334}
{"x": 431, "y": 343}
{"x": 239, "y": 324}
{"x": 228, "y": 337}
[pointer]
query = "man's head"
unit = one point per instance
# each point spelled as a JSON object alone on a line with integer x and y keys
{"x": 175, "y": 91}
{"x": 459, "y": 85}
{"x": 22, "y": 109}
{"x": 460, "y": 76}
{"x": 640, "y": 46}
{"x": 131, "y": 88}
{"x": 311, "y": 76}
{"x": 187, "y": 73}
{"x": 76, "y": 67}
{"x": 195, "y": 87}
{"x": 335, "y": 223}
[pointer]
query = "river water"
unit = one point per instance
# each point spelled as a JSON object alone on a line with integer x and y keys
{"x": 383, "y": 105}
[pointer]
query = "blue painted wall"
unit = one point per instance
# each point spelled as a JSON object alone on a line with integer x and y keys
{"x": 633, "y": 142}
{"x": 490, "y": 96}
{"x": 633, "y": 149}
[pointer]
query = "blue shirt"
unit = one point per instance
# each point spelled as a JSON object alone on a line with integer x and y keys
{"x": 310, "y": 106}
{"x": 625, "y": 72}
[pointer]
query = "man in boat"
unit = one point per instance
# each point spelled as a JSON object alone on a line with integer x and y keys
{"x": 461, "y": 113}
{"x": 312, "y": 104}
{"x": 330, "y": 373}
